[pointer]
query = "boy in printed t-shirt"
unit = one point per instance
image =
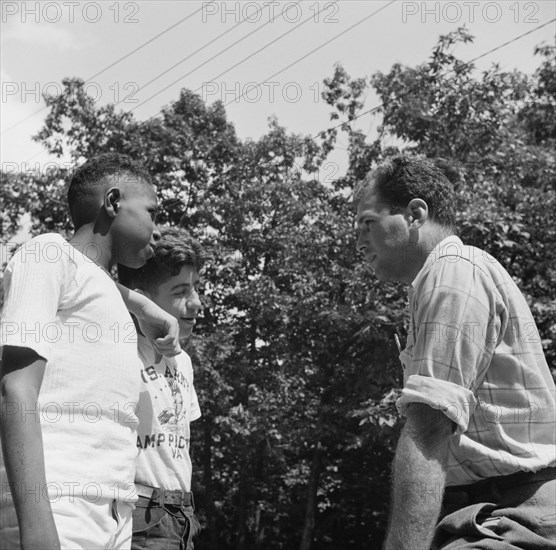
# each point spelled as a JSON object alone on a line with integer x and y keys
{"x": 164, "y": 516}
{"x": 69, "y": 365}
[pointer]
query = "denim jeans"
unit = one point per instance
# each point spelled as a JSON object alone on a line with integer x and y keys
{"x": 163, "y": 527}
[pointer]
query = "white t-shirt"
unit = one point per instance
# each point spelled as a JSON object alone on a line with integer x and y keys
{"x": 167, "y": 404}
{"x": 67, "y": 309}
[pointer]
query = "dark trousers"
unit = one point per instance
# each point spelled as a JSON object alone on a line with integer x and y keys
{"x": 163, "y": 526}
{"x": 512, "y": 512}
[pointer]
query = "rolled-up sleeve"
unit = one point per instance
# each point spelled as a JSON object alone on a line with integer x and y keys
{"x": 456, "y": 320}
{"x": 456, "y": 402}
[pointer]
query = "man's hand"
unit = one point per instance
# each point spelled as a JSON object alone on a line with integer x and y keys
{"x": 419, "y": 478}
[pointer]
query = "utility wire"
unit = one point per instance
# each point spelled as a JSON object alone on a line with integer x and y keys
{"x": 202, "y": 64}
{"x": 183, "y": 60}
{"x": 148, "y": 41}
{"x": 411, "y": 90}
{"x": 315, "y": 50}
{"x": 216, "y": 55}
{"x": 112, "y": 64}
{"x": 226, "y": 49}
{"x": 377, "y": 107}
{"x": 261, "y": 49}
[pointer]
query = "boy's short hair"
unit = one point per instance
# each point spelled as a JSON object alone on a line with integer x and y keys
{"x": 96, "y": 175}
{"x": 175, "y": 249}
{"x": 401, "y": 178}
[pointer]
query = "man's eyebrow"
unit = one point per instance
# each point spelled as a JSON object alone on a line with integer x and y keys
{"x": 364, "y": 215}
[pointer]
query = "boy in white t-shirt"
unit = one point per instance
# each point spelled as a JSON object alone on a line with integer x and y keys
{"x": 164, "y": 517}
{"x": 69, "y": 365}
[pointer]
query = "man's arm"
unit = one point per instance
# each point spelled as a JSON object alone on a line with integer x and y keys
{"x": 21, "y": 378}
{"x": 159, "y": 327}
{"x": 419, "y": 478}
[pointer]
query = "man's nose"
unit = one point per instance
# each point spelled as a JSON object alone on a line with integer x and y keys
{"x": 361, "y": 245}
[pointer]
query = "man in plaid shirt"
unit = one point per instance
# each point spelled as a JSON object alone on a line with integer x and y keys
{"x": 475, "y": 466}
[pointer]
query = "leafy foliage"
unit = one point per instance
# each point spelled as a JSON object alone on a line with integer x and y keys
{"x": 295, "y": 363}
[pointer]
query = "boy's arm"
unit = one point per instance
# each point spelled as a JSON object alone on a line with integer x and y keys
{"x": 159, "y": 327}
{"x": 21, "y": 378}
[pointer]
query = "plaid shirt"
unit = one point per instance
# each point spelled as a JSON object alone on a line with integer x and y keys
{"x": 474, "y": 352}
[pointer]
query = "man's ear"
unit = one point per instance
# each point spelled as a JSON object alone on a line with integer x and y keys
{"x": 417, "y": 212}
{"x": 112, "y": 199}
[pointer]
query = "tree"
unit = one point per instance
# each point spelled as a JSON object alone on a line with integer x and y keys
{"x": 295, "y": 363}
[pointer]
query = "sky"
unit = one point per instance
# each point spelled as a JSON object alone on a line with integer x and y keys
{"x": 261, "y": 59}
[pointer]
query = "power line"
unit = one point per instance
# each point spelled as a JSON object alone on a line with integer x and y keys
{"x": 373, "y": 109}
{"x": 411, "y": 90}
{"x": 268, "y": 44}
{"x": 112, "y": 64}
{"x": 226, "y": 49}
{"x": 202, "y": 48}
{"x": 261, "y": 49}
{"x": 316, "y": 49}
{"x": 216, "y": 55}
{"x": 148, "y": 41}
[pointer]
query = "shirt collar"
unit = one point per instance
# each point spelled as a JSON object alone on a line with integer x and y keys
{"x": 450, "y": 246}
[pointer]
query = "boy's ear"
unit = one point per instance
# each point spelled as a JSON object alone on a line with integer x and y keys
{"x": 112, "y": 199}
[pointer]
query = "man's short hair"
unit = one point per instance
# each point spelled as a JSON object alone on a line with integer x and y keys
{"x": 175, "y": 248}
{"x": 96, "y": 175}
{"x": 401, "y": 178}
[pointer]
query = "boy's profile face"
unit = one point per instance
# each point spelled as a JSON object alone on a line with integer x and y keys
{"x": 134, "y": 231}
{"x": 178, "y": 297}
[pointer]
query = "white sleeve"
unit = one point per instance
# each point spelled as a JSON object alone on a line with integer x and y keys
{"x": 33, "y": 285}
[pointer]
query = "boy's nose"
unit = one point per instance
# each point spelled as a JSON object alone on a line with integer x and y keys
{"x": 194, "y": 302}
{"x": 156, "y": 234}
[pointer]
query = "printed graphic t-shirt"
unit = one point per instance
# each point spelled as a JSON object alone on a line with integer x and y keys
{"x": 167, "y": 404}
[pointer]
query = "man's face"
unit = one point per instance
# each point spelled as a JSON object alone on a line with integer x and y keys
{"x": 134, "y": 231}
{"x": 178, "y": 297}
{"x": 384, "y": 239}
